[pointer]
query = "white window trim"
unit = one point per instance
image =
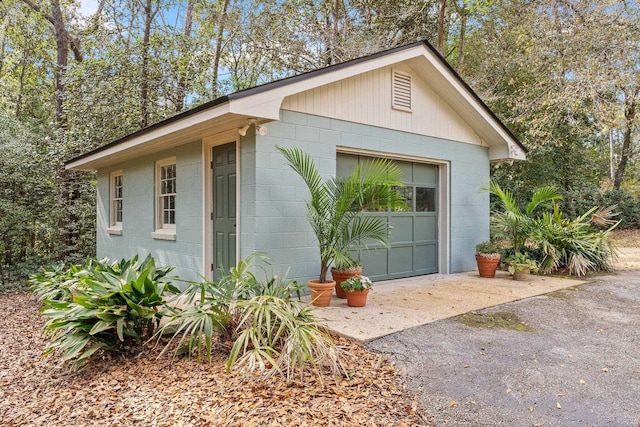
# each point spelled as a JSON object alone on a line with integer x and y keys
{"x": 163, "y": 231}
{"x": 115, "y": 227}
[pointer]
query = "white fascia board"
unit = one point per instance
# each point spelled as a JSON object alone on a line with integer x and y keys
{"x": 135, "y": 141}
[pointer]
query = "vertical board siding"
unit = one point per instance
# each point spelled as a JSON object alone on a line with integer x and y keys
{"x": 367, "y": 98}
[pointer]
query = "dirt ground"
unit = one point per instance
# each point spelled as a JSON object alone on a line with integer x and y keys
{"x": 568, "y": 358}
{"x": 563, "y": 359}
{"x": 36, "y": 391}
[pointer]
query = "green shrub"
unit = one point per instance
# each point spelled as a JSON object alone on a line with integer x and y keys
{"x": 54, "y": 282}
{"x": 101, "y": 306}
{"x": 578, "y": 201}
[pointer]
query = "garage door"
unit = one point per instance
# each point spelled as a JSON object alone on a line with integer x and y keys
{"x": 413, "y": 248}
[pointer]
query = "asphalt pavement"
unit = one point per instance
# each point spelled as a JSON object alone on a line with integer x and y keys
{"x": 567, "y": 358}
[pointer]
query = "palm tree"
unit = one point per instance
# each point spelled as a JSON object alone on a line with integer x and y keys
{"x": 336, "y": 210}
{"x": 512, "y": 222}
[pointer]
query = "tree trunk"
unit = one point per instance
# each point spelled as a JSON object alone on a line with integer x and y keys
{"x": 182, "y": 79}
{"x": 21, "y": 90}
{"x": 626, "y": 152}
{"x": 216, "y": 60}
{"x": 463, "y": 31}
{"x": 63, "y": 42}
{"x": 442, "y": 7}
{"x": 149, "y": 14}
{"x": 62, "y": 56}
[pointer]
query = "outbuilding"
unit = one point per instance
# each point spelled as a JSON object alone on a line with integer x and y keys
{"x": 207, "y": 187}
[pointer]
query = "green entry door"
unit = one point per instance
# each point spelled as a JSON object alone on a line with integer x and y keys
{"x": 224, "y": 207}
{"x": 413, "y": 248}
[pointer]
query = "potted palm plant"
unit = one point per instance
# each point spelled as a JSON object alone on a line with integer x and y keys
{"x": 487, "y": 258}
{"x": 336, "y": 211}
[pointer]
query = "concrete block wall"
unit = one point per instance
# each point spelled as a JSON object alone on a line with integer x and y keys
{"x": 138, "y": 223}
{"x": 274, "y": 200}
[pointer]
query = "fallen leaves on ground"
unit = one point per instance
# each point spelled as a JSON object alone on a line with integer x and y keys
{"x": 166, "y": 391}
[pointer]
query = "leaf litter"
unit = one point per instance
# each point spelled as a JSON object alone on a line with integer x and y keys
{"x": 166, "y": 391}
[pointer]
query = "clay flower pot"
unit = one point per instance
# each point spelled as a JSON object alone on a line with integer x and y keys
{"x": 522, "y": 273}
{"x": 487, "y": 265}
{"x": 357, "y": 298}
{"x": 321, "y": 292}
{"x": 340, "y": 276}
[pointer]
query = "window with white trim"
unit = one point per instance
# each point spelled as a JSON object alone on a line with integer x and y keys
{"x": 401, "y": 90}
{"x": 115, "y": 202}
{"x": 166, "y": 199}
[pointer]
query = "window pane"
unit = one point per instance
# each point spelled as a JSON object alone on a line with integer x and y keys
{"x": 425, "y": 199}
{"x": 407, "y": 194}
{"x": 119, "y": 211}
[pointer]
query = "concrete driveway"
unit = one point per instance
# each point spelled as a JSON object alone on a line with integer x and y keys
{"x": 396, "y": 305}
{"x": 578, "y": 365}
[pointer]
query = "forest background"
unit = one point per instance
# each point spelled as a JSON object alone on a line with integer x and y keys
{"x": 563, "y": 75}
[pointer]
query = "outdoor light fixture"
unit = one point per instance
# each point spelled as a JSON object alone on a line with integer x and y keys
{"x": 261, "y": 130}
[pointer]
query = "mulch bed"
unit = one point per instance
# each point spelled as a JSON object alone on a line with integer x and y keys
{"x": 166, "y": 391}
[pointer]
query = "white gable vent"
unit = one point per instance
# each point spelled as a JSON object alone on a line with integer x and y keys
{"x": 401, "y": 91}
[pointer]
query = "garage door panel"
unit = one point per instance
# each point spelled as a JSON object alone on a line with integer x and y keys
{"x": 401, "y": 259}
{"x": 425, "y": 258}
{"x": 374, "y": 262}
{"x": 402, "y": 229}
{"x": 426, "y": 228}
{"x": 425, "y": 174}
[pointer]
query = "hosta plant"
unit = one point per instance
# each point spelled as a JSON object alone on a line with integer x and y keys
{"x": 113, "y": 307}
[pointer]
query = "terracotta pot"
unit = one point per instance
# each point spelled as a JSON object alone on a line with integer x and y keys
{"x": 357, "y": 298}
{"x": 340, "y": 276}
{"x": 321, "y": 292}
{"x": 487, "y": 266}
{"x": 523, "y": 274}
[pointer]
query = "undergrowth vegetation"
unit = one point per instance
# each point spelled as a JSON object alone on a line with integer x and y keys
{"x": 259, "y": 321}
{"x": 542, "y": 232}
{"x": 101, "y": 306}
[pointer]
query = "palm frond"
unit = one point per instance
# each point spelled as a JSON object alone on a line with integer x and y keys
{"x": 543, "y": 196}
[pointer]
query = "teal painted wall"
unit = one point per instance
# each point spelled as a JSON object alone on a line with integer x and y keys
{"x": 273, "y": 196}
{"x": 139, "y": 212}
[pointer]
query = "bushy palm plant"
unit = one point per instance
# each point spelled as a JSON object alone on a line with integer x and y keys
{"x": 576, "y": 244}
{"x": 549, "y": 237}
{"x": 336, "y": 208}
{"x": 513, "y": 223}
{"x": 271, "y": 331}
{"x": 207, "y": 309}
